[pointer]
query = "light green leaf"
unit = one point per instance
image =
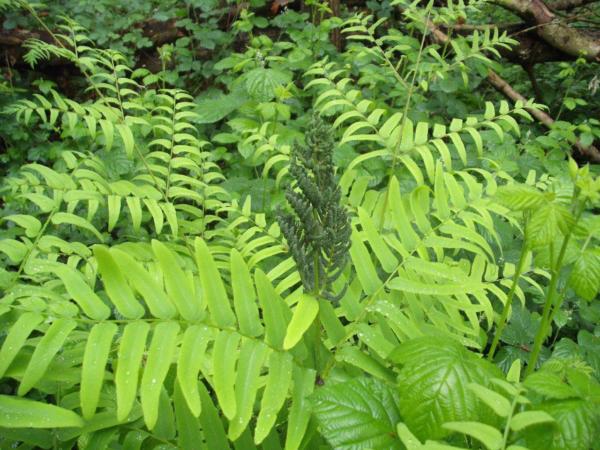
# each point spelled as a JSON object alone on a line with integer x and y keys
{"x": 191, "y": 354}
{"x": 244, "y": 296}
{"x": 60, "y": 218}
{"x": 365, "y": 270}
{"x": 252, "y": 356}
{"x": 303, "y": 316}
{"x": 109, "y": 133}
{"x": 179, "y": 289}
{"x": 548, "y": 222}
{"x": 519, "y": 197}
{"x": 154, "y": 296}
{"x": 528, "y": 418}
{"x": 276, "y": 391}
{"x": 225, "y": 355}
{"x": 24, "y": 413}
{"x": 486, "y": 434}
{"x": 212, "y": 287}
{"x": 94, "y": 361}
{"x": 44, "y": 353}
{"x": 127, "y": 136}
{"x": 115, "y": 285}
{"x": 160, "y": 358}
{"x": 585, "y": 275}
{"x": 30, "y": 224}
{"x": 500, "y": 404}
{"x": 300, "y": 412}
{"x": 276, "y": 314}
{"x": 129, "y": 361}
{"x": 16, "y": 337}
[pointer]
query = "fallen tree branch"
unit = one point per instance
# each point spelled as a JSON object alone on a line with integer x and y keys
{"x": 591, "y": 152}
{"x": 557, "y": 34}
{"x": 569, "y": 4}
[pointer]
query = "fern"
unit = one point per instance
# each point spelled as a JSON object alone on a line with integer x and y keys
{"x": 318, "y": 232}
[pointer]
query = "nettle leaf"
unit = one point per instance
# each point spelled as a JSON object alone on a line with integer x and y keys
{"x": 211, "y": 109}
{"x": 585, "y": 276}
{"x": 577, "y": 426}
{"x": 548, "y": 222}
{"x": 519, "y": 197}
{"x": 434, "y": 384}
{"x": 261, "y": 83}
{"x": 358, "y": 414}
{"x": 549, "y": 385}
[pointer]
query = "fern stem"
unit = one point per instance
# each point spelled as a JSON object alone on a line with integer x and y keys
{"x": 37, "y": 240}
{"x": 170, "y": 165}
{"x": 411, "y": 89}
{"x": 550, "y": 307}
{"x": 506, "y": 433}
{"x": 511, "y": 293}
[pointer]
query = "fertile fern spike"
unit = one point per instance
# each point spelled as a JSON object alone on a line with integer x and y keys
{"x": 318, "y": 230}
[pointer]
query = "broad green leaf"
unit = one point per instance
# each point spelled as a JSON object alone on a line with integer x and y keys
{"x": 160, "y": 358}
{"x": 18, "y": 412}
{"x": 94, "y": 361}
{"x": 549, "y": 385}
{"x": 433, "y": 384}
{"x": 303, "y": 316}
{"x": 252, "y": 356}
{"x": 361, "y": 413}
{"x": 575, "y": 426}
{"x": 548, "y": 222}
{"x": 129, "y": 360}
{"x": 44, "y": 353}
{"x": 115, "y": 285}
{"x": 16, "y": 337}
{"x": 191, "y": 354}
{"x": 519, "y": 197}
{"x": 528, "y": 418}
{"x": 261, "y": 83}
{"x": 212, "y": 287}
{"x": 486, "y": 434}
{"x": 178, "y": 286}
{"x": 585, "y": 275}
{"x": 276, "y": 391}
{"x": 225, "y": 355}
{"x": 244, "y": 296}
